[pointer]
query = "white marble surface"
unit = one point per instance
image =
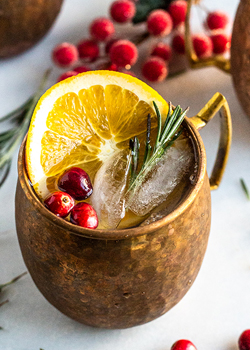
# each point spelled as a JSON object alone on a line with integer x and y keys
{"x": 217, "y": 308}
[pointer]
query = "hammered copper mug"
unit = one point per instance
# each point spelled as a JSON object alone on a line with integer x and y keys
{"x": 122, "y": 278}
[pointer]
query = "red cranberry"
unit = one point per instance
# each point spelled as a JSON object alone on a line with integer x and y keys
{"x": 244, "y": 340}
{"x": 183, "y": 344}
{"x": 76, "y": 182}
{"x": 66, "y": 75}
{"x": 83, "y": 214}
{"x": 65, "y": 54}
{"x": 59, "y": 203}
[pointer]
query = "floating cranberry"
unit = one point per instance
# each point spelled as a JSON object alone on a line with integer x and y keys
{"x": 59, "y": 203}
{"x": 76, "y": 182}
{"x": 244, "y": 340}
{"x": 83, "y": 214}
{"x": 183, "y": 344}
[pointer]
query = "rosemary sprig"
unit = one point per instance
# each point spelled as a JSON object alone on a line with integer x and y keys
{"x": 166, "y": 136}
{"x": 245, "y": 188}
{"x": 8, "y": 283}
{"x": 10, "y": 139}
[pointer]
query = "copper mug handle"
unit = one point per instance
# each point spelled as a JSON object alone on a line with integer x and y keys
{"x": 217, "y": 103}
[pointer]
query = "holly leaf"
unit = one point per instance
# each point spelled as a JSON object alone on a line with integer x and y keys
{"x": 144, "y": 7}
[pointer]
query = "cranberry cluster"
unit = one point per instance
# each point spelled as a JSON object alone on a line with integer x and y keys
{"x": 76, "y": 185}
{"x": 243, "y": 343}
{"x": 103, "y": 49}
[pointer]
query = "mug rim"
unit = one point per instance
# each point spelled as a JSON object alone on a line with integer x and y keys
{"x": 126, "y": 233}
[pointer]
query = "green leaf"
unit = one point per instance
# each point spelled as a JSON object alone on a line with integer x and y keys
{"x": 144, "y": 7}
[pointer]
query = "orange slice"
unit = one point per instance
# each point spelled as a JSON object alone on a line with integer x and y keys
{"x": 83, "y": 119}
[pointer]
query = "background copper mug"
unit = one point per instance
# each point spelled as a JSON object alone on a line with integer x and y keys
{"x": 122, "y": 278}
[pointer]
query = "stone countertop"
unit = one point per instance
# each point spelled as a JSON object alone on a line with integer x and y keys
{"x": 217, "y": 308}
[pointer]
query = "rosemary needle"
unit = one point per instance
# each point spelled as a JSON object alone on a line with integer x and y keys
{"x": 166, "y": 135}
{"x": 245, "y": 188}
{"x": 10, "y": 139}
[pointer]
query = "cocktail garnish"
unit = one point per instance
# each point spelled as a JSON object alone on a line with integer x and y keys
{"x": 166, "y": 136}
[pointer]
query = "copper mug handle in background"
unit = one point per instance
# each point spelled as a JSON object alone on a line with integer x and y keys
{"x": 217, "y": 103}
{"x": 218, "y": 61}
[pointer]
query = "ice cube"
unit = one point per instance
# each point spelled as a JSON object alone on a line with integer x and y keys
{"x": 163, "y": 178}
{"x": 110, "y": 184}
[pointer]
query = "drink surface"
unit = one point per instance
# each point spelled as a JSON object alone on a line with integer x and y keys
{"x": 161, "y": 192}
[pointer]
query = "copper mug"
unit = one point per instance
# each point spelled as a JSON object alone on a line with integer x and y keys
{"x": 122, "y": 278}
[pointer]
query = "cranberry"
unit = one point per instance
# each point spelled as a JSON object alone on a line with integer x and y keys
{"x": 123, "y": 53}
{"x": 102, "y": 29}
{"x": 203, "y": 45}
{"x": 83, "y": 214}
{"x": 81, "y": 69}
{"x": 159, "y": 23}
{"x": 66, "y": 75}
{"x": 65, "y": 54}
{"x": 221, "y": 43}
{"x": 154, "y": 69}
{"x": 163, "y": 51}
{"x": 244, "y": 340}
{"x": 122, "y": 11}
{"x": 178, "y": 11}
{"x": 178, "y": 44}
{"x": 183, "y": 344}
{"x": 59, "y": 203}
{"x": 217, "y": 20}
{"x": 76, "y": 182}
{"x": 88, "y": 49}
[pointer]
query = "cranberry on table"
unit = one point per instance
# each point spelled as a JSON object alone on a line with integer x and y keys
{"x": 203, "y": 45}
{"x": 88, "y": 49}
{"x": 159, "y": 23}
{"x": 221, "y": 43}
{"x": 81, "y": 69}
{"x": 102, "y": 29}
{"x": 244, "y": 340}
{"x": 217, "y": 20}
{"x": 162, "y": 50}
{"x": 76, "y": 182}
{"x": 59, "y": 203}
{"x": 178, "y": 11}
{"x": 178, "y": 44}
{"x": 122, "y": 11}
{"x": 84, "y": 215}
{"x": 154, "y": 69}
{"x": 183, "y": 344}
{"x": 65, "y": 54}
{"x": 123, "y": 53}
{"x": 66, "y": 75}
